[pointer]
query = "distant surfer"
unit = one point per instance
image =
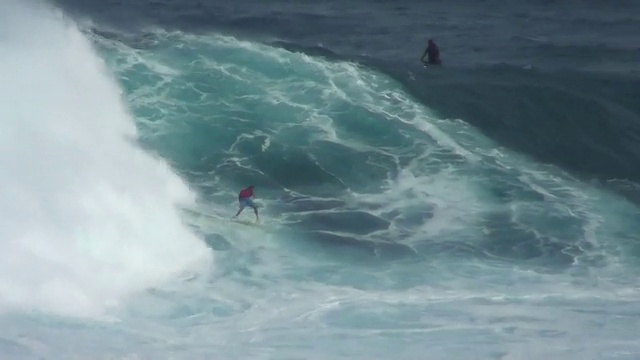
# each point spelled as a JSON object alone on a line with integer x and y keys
{"x": 433, "y": 52}
{"x": 245, "y": 198}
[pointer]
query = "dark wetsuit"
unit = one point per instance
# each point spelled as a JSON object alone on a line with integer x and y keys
{"x": 433, "y": 52}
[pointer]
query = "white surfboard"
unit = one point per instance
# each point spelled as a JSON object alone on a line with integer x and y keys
{"x": 247, "y": 222}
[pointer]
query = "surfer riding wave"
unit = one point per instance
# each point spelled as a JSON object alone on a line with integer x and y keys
{"x": 245, "y": 198}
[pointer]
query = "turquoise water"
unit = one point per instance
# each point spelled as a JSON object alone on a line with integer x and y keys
{"x": 389, "y": 230}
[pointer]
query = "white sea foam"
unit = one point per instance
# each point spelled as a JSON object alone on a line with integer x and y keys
{"x": 85, "y": 216}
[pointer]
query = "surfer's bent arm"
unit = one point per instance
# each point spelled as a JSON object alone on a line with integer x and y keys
{"x": 424, "y": 54}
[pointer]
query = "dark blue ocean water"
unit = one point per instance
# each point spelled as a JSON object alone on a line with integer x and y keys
{"x": 487, "y": 208}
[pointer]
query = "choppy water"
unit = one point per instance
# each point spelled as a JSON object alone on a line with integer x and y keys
{"x": 487, "y": 209}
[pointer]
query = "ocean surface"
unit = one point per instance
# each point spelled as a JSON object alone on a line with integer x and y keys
{"x": 485, "y": 209}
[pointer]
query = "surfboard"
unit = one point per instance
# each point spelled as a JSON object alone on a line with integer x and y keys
{"x": 198, "y": 215}
{"x": 247, "y": 222}
{"x": 234, "y": 220}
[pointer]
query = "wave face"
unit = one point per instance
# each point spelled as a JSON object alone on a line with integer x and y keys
{"x": 395, "y": 224}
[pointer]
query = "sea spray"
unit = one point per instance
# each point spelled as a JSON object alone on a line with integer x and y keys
{"x": 86, "y": 217}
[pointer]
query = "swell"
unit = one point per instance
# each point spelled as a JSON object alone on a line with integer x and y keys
{"x": 586, "y": 123}
{"x": 345, "y": 159}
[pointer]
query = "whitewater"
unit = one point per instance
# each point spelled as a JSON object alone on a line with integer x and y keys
{"x": 86, "y": 216}
{"x": 389, "y": 231}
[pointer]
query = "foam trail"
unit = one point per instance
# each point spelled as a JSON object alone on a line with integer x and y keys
{"x": 85, "y": 216}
